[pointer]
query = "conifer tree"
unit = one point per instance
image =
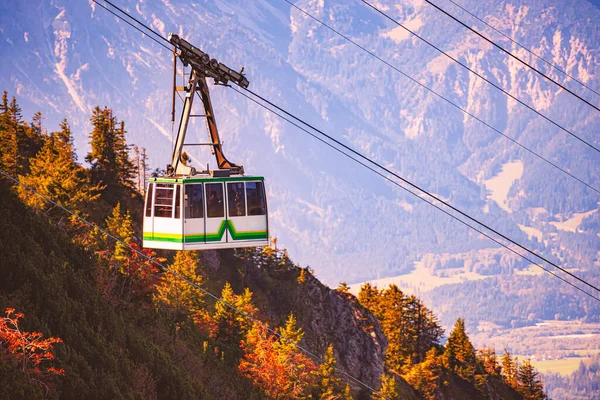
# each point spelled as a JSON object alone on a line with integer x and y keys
{"x": 329, "y": 386}
{"x": 343, "y": 288}
{"x": 121, "y": 226}
{"x": 459, "y": 354}
{"x": 109, "y": 157}
{"x": 178, "y": 294}
{"x": 389, "y": 387}
{"x": 410, "y": 327}
{"x": 8, "y": 138}
{"x": 54, "y": 173}
{"x": 227, "y": 325}
{"x": 292, "y": 336}
{"x": 426, "y": 376}
{"x": 368, "y": 296}
{"x": 510, "y": 368}
{"x": 489, "y": 361}
{"x": 529, "y": 385}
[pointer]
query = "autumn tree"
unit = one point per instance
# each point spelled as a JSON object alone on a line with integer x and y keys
{"x": 410, "y": 327}
{"x": 426, "y": 376}
{"x": 54, "y": 173}
{"x": 529, "y": 384}
{"x": 343, "y": 288}
{"x": 389, "y": 387}
{"x": 489, "y": 361}
{"x": 278, "y": 366}
{"x": 30, "y": 349}
{"x": 510, "y": 369}
{"x": 329, "y": 386}
{"x": 227, "y": 325}
{"x": 368, "y": 296}
{"x": 140, "y": 270}
{"x": 177, "y": 294}
{"x": 120, "y": 225}
{"x": 261, "y": 363}
{"x": 459, "y": 353}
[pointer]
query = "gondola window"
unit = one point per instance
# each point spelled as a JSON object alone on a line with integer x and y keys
{"x": 256, "y": 198}
{"x": 163, "y": 200}
{"x": 149, "y": 200}
{"x": 214, "y": 201}
{"x": 194, "y": 201}
{"x": 237, "y": 199}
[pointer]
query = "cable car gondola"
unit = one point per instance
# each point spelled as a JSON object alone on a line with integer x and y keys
{"x": 211, "y": 209}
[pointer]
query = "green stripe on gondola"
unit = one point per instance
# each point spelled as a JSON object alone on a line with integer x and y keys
{"x": 210, "y": 237}
{"x": 192, "y": 180}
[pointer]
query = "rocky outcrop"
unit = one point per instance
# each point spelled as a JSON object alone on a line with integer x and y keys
{"x": 326, "y": 315}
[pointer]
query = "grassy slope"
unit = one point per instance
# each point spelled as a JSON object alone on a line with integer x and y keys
{"x": 111, "y": 350}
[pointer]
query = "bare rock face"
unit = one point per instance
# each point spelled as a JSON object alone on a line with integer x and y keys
{"x": 331, "y": 317}
{"x": 211, "y": 259}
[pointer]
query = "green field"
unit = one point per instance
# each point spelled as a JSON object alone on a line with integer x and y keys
{"x": 566, "y": 366}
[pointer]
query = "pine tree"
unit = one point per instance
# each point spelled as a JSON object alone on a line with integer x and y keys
{"x": 9, "y": 144}
{"x": 120, "y": 226}
{"x": 126, "y": 168}
{"x": 368, "y": 296}
{"x": 227, "y": 327}
{"x": 329, "y": 386}
{"x": 510, "y": 369}
{"x": 529, "y": 385}
{"x": 459, "y": 354}
{"x": 426, "y": 376}
{"x": 109, "y": 157}
{"x": 410, "y": 327}
{"x": 54, "y": 173}
{"x": 291, "y": 336}
{"x": 425, "y": 329}
{"x": 489, "y": 361}
{"x": 389, "y": 387}
{"x": 343, "y": 288}
{"x": 179, "y": 295}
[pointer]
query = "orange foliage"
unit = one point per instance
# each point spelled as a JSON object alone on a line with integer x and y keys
{"x": 28, "y": 348}
{"x": 279, "y": 375}
{"x": 139, "y": 268}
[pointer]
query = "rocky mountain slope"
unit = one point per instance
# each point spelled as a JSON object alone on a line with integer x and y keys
{"x": 329, "y": 213}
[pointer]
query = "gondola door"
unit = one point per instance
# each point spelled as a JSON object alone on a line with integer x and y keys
{"x": 236, "y": 211}
{"x": 194, "y": 225}
{"x": 216, "y": 222}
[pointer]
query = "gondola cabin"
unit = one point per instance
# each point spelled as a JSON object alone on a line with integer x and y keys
{"x": 200, "y": 213}
{"x": 220, "y": 208}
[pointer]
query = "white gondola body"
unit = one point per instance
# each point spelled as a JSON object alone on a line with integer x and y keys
{"x": 201, "y": 213}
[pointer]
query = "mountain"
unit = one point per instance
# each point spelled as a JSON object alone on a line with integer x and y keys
{"x": 89, "y": 313}
{"x": 332, "y": 215}
{"x": 79, "y": 56}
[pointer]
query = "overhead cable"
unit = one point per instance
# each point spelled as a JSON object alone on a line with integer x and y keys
{"x": 396, "y": 183}
{"x": 139, "y": 22}
{"x": 465, "y": 111}
{"x": 133, "y": 26}
{"x": 556, "y": 67}
{"x": 495, "y": 85}
{"x": 417, "y": 187}
{"x": 424, "y": 191}
{"x": 188, "y": 281}
{"x": 513, "y": 56}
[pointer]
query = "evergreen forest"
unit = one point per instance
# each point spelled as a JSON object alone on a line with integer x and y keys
{"x": 83, "y": 315}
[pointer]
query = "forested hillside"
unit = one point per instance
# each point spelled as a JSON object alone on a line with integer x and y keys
{"x": 582, "y": 384}
{"x": 88, "y": 317}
